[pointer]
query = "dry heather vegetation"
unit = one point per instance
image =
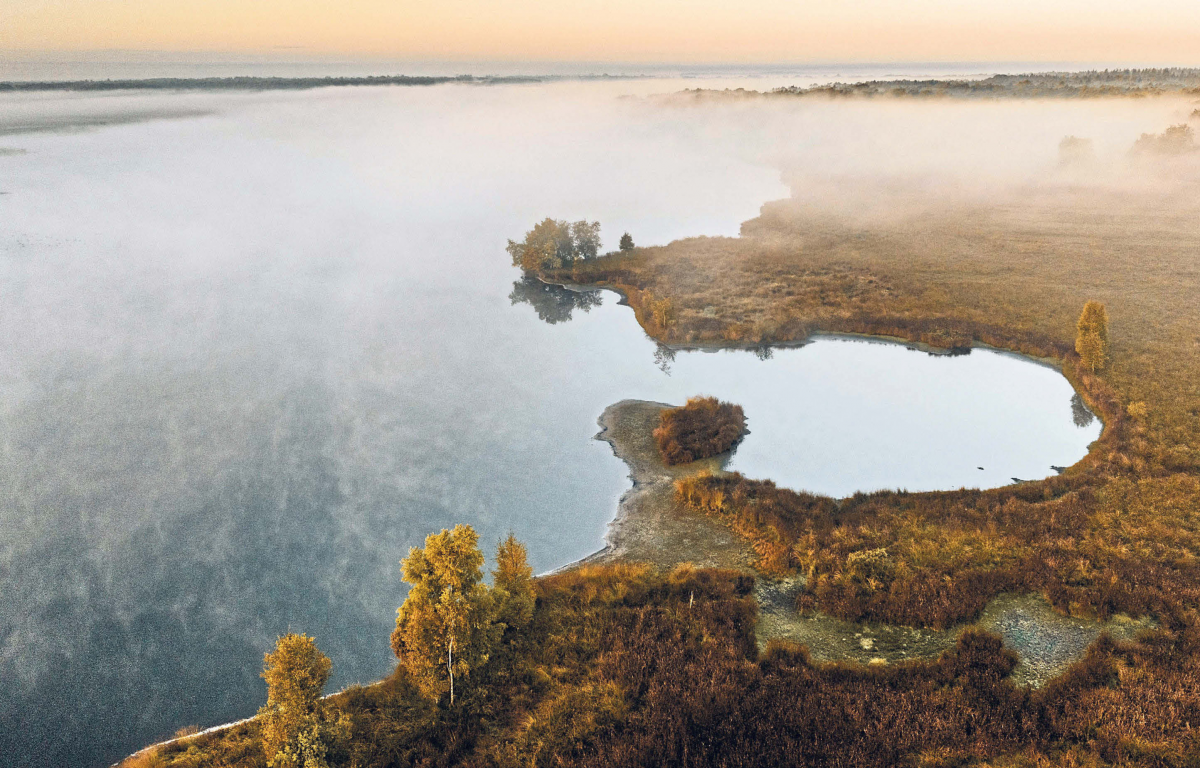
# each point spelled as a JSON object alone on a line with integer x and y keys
{"x": 1117, "y": 533}
{"x": 624, "y": 666}
{"x": 701, "y": 429}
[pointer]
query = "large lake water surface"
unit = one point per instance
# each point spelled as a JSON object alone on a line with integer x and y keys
{"x": 256, "y": 346}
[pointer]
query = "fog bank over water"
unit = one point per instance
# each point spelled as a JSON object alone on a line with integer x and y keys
{"x": 257, "y": 345}
{"x": 252, "y": 356}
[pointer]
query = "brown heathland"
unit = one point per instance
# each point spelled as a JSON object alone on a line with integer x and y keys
{"x": 1120, "y": 531}
{"x": 622, "y": 665}
{"x": 625, "y": 666}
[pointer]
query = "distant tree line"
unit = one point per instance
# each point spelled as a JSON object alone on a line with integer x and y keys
{"x": 1089, "y": 84}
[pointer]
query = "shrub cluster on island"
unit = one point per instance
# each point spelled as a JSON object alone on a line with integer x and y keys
{"x": 703, "y": 428}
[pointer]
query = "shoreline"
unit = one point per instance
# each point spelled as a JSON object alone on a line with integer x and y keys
{"x": 647, "y": 526}
{"x": 719, "y": 345}
{"x": 650, "y": 528}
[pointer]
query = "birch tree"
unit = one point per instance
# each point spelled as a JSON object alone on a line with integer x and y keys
{"x": 293, "y": 721}
{"x": 445, "y": 629}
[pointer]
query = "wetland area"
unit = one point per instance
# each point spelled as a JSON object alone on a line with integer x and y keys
{"x": 262, "y": 343}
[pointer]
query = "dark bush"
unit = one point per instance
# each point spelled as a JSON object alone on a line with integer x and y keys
{"x": 703, "y": 428}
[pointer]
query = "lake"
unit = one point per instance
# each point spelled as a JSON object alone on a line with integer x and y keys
{"x": 258, "y": 345}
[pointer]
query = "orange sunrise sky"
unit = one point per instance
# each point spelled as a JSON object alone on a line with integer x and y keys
{"x": 1150, "y": 31}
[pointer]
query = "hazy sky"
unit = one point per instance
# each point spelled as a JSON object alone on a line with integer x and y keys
{"x": 1147, "y": 31}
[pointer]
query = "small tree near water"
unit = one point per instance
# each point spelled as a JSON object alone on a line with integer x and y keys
{"x": 513, "y": 584}
{"x": 626, "y": 243}
{"x": 295, "y": 734}
{"x": 445, "y": 629}
{"x": 1091, "y": 338}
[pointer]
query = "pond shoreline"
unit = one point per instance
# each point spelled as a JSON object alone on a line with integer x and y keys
{"x": 651, "y": 527}
{"x": 648, "y": 526}
{"x": 720, "y": 345}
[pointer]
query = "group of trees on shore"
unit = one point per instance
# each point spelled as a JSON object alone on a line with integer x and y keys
{"x": 447, "y": 628}
{"x": 554, "y": 244}
{"x": 451, "y": 621}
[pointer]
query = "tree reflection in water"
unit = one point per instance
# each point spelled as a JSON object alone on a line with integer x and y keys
{"x": 553, "y": 303}
{"x": 1080, "y": 413}
{"x": 663, "y": 357}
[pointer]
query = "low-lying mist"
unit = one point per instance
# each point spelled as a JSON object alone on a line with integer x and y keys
{"x": 256, "y": 345}
{"x": 854, "y": 157}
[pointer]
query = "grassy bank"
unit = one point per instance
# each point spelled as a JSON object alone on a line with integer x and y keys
{"x": 623, "y": 665}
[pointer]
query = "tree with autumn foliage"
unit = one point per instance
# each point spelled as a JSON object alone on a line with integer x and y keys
{"x": 513, "y": 584}
{"x": 445, "y": 629}
{"x": 296, "y": 729}
{"x": 1091, "y": 339}
{"x": 554, "y": 244}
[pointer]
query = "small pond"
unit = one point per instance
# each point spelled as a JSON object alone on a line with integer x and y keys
{"x": 840, "y": 415}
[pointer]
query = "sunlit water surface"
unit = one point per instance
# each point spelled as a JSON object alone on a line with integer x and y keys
{"x": 256, "y": 346}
